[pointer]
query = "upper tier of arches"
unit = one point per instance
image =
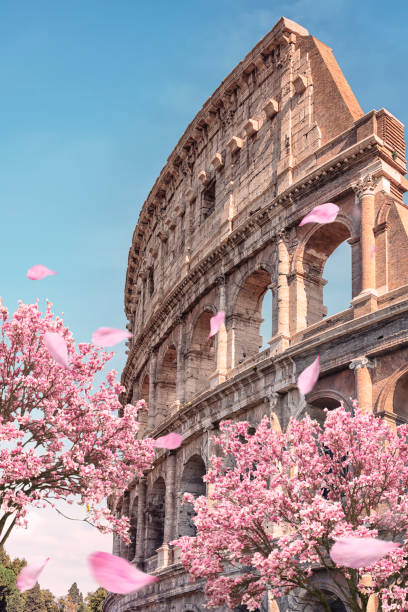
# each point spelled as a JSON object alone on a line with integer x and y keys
{"x": 265, "y": 129}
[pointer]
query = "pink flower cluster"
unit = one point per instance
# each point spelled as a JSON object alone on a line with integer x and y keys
{"x": 279, "y": 501}
{"x": 59, "y": 438}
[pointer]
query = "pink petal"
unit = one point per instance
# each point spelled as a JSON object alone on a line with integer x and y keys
{"x": 109, "y": 336}
{"x": 57, "y": 348}
{"x": 360, "y": 552}
{"x": 29, "y": 575}
{"x": 117, "y": 575}
{"x": 171, "y": 441}
{"x": 308, "y": 378}
{"x": 325, "y": 213}
{"x": 38, "y": 272}
{"x": 215, "y": 322}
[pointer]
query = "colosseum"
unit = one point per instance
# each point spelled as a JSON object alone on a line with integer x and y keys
{"x": 220, "y": 230}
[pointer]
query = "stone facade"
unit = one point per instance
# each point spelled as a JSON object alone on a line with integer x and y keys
{"x": 282, "y": 134}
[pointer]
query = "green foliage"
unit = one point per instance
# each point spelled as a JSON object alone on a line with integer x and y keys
{"x": 95, "y": 600}
{"x": 49, "y": 603}
{"x": 75, "y": 594}
{"x": 11, "y": 600}
{"x": 33, "y": 600}
{"x": 7, "y": 587}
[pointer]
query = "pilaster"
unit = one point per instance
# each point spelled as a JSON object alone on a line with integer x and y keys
{"x": 280, "y": 341}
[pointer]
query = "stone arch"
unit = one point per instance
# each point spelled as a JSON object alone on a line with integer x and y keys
{"x": 144, "y": 387}
{"x": 133, "y": 529}
{"x": 155, "y": 513}
{"x": 166, "y": 393}
{"x": 391, "y": 399}
{"x": 143, "y": 393}
{"x": 300, "y": 600}
{"x": 307, "y": 266}
{"x": 246, "y": 316}
{"x": 202, "y": 353}
{"x": 317, "y": 401}
{"x": 191, "y": 482}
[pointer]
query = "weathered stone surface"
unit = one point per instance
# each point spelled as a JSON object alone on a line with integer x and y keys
{"x": 282, "y": 134}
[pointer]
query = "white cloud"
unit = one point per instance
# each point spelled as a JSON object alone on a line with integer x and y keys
{"x": 68, "y": 544}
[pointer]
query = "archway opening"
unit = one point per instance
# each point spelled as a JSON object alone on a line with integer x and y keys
{"x": 155, "y": 512}
{"x": 315, "y": 408}
{"x": 166, "y": 384}
{"x": 337, "y": 293}
{"x": 142, "y": 414}
{"x": 201, "y": 356}
{"x": 133, "y": 530}
{"x": 400, "y": 404}
{"x": 191, "y": 482}
{"x": 320, "y": 246}
{"x": 124, "y": 548}
{"x": 253, "y": 301}
{"x": 266, "y": 326}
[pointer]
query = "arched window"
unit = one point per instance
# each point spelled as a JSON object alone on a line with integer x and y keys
{"x": 400, "y": 404}
{"x": 266, "y": 325}
{"x": 315, "y": 408}
{"x": 337, "y": 292}
{"x": 201, "y": 357}
{"x": 247, "y": 316}
{"x": 155, "y": 510}
{"x": 191, "y": 482}
{"x": 133, "y": 530}
{"x": 166, "y": 384}
{"x": 320, "y": 246}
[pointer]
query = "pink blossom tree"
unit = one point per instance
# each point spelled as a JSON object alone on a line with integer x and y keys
{"x": 59, "y": 439}
{"x": 277, "y": 502}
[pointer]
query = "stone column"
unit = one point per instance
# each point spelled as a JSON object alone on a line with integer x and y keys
{"x": 164, "y": 552}
{"x": 281, "y": 340}
{"x": 363, "y": 384}
{"x": 151, "y": 418}
{"x": 140, "y": 531}
{"x": 366, "y": 301}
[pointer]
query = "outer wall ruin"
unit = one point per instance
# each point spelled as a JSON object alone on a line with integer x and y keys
{"x": 282, "y": 134}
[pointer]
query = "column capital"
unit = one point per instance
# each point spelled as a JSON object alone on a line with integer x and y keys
{"x": 365, "y": 185}
{"x": 362, "y": 362}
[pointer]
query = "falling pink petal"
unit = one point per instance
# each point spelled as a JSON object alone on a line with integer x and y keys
{"x": 308, "y": 378}
{"x": 117, "y": 575}
{"x": 39, "y": 272}
{"x": 215, "y": 322}
{"x": 57, "y": 348}
{"x": 360, "y": 552}
{"x": 171, "y": 441}
{"x": 324, "y": 213}
{"x": 109, "y": 336}
{"x": 373, "y": 250}
{"x": 28, "y": 576}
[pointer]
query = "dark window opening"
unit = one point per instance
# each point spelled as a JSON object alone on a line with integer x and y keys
{"x": 208, "y": 200}
{"x": 151, "y": 281}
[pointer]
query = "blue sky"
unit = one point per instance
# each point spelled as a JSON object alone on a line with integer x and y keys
{"x": 94, "y": 97}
